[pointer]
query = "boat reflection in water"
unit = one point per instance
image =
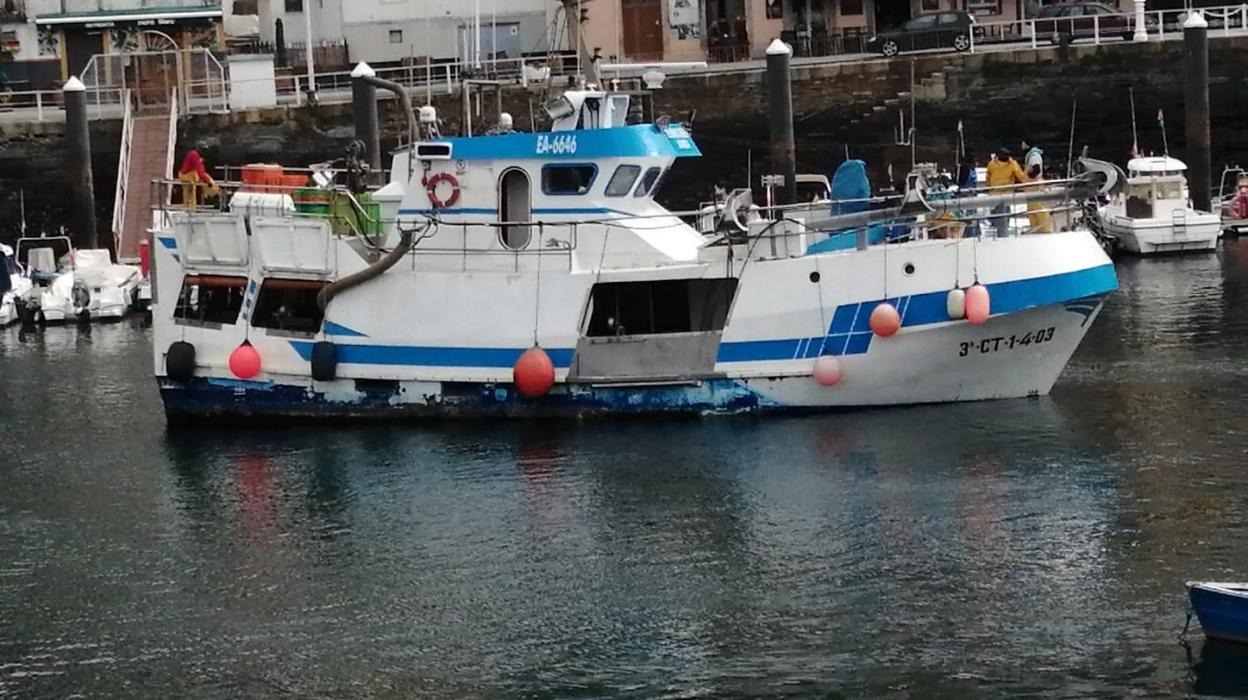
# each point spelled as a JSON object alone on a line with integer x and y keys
{"x": 1221, "y": 669}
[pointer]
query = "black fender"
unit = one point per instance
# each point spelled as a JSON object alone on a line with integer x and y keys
{"x": 324, "y": 361}
{"x": 180, "y": 361}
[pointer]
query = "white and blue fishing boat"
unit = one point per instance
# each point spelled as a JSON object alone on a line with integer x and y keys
{"x": 1222, "y": 609}
{"x": 522, "y": 274}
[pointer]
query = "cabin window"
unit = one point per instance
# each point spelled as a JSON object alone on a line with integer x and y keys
{"x": 210, "y": 299}
{"x": 657, "y": 307}
{"x": 647, "y": 182}
{"x": 622, "y": 181}
{"x": 568, "y": 179}
{"x": 514, "y": 208}
{"x": 289, "y": 305}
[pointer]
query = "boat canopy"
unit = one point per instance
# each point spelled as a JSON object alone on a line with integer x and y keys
{"x": 1156, "y": 166}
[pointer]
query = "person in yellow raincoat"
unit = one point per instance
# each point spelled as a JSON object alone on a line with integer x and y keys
{"x": 1040, "y": 220}
{"x": 196, "y": 178}
{"x": 1003, "y": 171}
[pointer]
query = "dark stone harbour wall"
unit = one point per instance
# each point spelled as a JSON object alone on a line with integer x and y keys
{"x": 999, "y": 97}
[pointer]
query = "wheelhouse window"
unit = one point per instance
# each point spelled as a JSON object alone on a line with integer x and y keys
{"x": 622, "y": 181}
{"x": 214, "y": 299}
{"x": 646, "y": 186}
{"x": 568, "y": 179}
{"x": 289, "y": 306}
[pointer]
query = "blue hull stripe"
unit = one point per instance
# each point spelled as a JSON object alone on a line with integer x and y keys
{"x": 332, "y": 328}
{"x": 848, "y": 334}
{"x": 850, "y": 330}
{"x": 425, "y": 356}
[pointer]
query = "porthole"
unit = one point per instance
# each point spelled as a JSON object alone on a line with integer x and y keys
{"x": 814, "y": 277}
{"x": 908, "y": 268}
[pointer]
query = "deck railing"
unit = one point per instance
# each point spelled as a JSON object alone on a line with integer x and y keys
{"x": 777, "y": 235}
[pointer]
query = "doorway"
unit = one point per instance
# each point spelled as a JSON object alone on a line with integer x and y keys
{"x": 80, "y": 47}
{"x": 514, "y": 209}
{"x": 643, "y": 29}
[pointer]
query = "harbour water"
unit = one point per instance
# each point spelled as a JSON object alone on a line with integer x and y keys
{"x": 1021, "y": 548}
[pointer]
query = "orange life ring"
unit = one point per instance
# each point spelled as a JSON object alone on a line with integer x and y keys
{"x": 431, "y": 188}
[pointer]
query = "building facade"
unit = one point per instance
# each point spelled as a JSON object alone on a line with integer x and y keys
{"x": 723, "y": 30}
{"x": 392, "y": 31}
{"x": 734, "y": 30}
{"x": 50, "y": 40}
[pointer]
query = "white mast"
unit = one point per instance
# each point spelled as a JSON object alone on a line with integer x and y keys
{"x": 428, "y": 60}
{"x": 476, "y": 23}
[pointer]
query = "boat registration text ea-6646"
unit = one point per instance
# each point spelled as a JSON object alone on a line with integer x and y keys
{"x": 556, "y": 145}
{"x": 1005, "y": 342}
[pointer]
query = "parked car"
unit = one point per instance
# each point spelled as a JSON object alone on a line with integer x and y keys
{"x": 1079, "y": 20}
{"x": 933, "y": 30}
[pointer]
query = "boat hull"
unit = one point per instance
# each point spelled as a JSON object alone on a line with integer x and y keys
{"x": 8, "y": 310}
{"x": 1147, "y": 237}
{"x": 1221, "y": 609}
{"x": 1011, "y": 356}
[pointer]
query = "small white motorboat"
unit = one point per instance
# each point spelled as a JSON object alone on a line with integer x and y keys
{"x": 70, "y": 284}
{"x": 1154, "y": 213}
{"x": 16, "y": 286}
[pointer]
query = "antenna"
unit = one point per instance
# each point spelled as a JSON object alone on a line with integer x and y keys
{"x": 21, "y": 198}
{"x": 913, "y": 120}
{"x": 1135, "y": 134}
{"x": 428, "y": 60}
{"x": 1161, "y": 121}
{"x": 1070, "y": 149}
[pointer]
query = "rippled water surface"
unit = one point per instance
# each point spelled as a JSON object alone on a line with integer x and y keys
{"x": 996, "y": 549}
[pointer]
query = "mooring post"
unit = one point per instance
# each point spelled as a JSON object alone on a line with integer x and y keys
{"x": 1196, "y": 59}
{"x": 780, "y": 107}
{"x": 1141, "y": 25}
{"x": 364, "y": 107}
{"x": 78, "y": 164}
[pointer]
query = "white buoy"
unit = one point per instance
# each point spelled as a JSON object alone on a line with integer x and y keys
{"x": 955, "y": 304}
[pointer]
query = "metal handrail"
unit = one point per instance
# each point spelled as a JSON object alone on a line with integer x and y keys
{"x": 123, "y": 169}
{"x": 913, "y": 219}
{"x": 172, "y": 146}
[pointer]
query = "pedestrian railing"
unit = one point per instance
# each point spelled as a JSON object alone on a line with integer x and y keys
{"x": 123, "y": 168}
{"x": 1159, "y": 25}
{"x": 49, "y": 105}
{"x": 153, "y": 76}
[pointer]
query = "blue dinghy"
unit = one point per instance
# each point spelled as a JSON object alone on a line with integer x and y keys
{"x": 1222, "y": 609}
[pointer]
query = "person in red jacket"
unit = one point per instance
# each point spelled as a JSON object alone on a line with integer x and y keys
{"x": 196, "y": 176}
